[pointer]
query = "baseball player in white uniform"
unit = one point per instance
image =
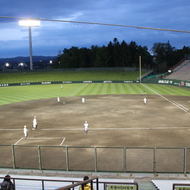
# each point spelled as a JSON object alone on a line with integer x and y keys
{"x": 25, "y": 132}
{"x": 86, "y": 127}
{"x": 34, "y": 125}
{"x": 145, "y": 100}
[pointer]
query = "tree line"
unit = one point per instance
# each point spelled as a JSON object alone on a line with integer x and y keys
{"x": 161, "y": 56}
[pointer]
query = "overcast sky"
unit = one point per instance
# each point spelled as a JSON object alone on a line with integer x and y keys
{"x": 51, "y": 37}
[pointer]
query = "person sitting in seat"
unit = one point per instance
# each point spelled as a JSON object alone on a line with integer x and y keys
{"x": 86, "y": 186}
{"x": 7, "y": 183}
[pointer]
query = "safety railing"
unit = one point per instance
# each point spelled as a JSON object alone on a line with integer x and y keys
{"x": 82, "y": 183}
{"x": 47, "y": 184}
{"x": 96, "y": 159}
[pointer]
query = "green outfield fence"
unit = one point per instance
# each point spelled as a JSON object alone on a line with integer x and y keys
{"x": 96, "y": 159}
{"x": 171, "y": 82}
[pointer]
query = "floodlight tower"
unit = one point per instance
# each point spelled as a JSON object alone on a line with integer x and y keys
{"x": 7, "y": 65}
{"x": 30, "y": 23}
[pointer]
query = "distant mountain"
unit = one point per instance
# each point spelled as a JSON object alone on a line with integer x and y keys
{"x": 26, "y": 59}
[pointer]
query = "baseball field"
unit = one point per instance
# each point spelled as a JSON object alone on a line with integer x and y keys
{"x": 116, "y": 114}
{"x": 116, "y": 109}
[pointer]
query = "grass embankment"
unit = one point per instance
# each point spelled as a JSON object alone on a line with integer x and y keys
{"x": 67, "y": 76}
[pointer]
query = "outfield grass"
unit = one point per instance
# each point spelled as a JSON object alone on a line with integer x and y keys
{"x": 14, "y": 94}
{"x": 67, "y": 76}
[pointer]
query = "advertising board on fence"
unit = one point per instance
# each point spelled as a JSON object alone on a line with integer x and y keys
{"x": 155, "y": 81}
{"x": 172, "y": 82}
{"x": 122, "y": 187}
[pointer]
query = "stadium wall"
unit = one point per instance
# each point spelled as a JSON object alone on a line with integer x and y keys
{"x": 172, "y": 82}
{"x": 96, "y": 159}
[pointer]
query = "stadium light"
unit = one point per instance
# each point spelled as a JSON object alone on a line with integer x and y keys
{"x": 30, "y": 23}
{"x": 21, "y": 65}
{"x": 7, "y": 65}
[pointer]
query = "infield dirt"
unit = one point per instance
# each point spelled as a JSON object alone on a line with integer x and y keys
{"x": 114, "y": 121}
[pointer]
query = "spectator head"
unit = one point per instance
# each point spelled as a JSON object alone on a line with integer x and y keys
{"x": 85, "y": 178}
{"x": 7, "y": 178}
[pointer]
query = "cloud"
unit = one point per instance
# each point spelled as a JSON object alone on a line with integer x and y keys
{"x": 53, "y": 36}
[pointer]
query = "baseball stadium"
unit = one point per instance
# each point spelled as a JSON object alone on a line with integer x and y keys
{"x": 126, "y": 135}
{"x": 99, "y": 114}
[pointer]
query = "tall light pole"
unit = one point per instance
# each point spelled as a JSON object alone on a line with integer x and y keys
{"x": 140, "y": 68}
{"x": 30, "y": 23}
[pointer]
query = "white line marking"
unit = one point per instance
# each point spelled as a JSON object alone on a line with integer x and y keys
{"x": 181, "y": 105}
{"x": 41, "y": 138}
{"x": 139, "y": 128}
{"x": 18, "y": 141}
{"x": 73, "y": 129}
{"x": 12, "y": 129}
{"x": 124, "y": 128}
{"x": 184, "y": 109}
{"x": 62, "y": 142}
{"x": 99, "y": 129}
{"x": 63, "y": 139}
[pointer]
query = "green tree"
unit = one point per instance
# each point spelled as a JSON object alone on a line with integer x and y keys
{"x": 115, "y": 54}
{"x": 180, "y": 53}
{"x": 146, "y": 58}
{"x": 163, "y": 56}
{"x": 101, "y": 59}
{"x": 110, "y": 55}
{"x": 124, "y": 54}
{"x": 84, "y": 58}
{"x": 134, "y": 54}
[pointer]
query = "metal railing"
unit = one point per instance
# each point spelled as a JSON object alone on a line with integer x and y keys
{"x": 96, "y": 159}
{"x": 68, "y": 187}
{"x": 20, "y": 183}
{"x": 35, "y": 183}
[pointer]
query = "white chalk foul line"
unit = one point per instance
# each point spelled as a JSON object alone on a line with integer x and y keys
{"x": 12, "y": 129}
{"x": 62, "y": 142}
{"x": 18, "y": 141}
{"x": 181, "y": 105}
{"x": 41, "y": 138}
{"x": 173, "y": 102}
{"x": 123, "y": 128}
{"x": 70, "y": 129}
